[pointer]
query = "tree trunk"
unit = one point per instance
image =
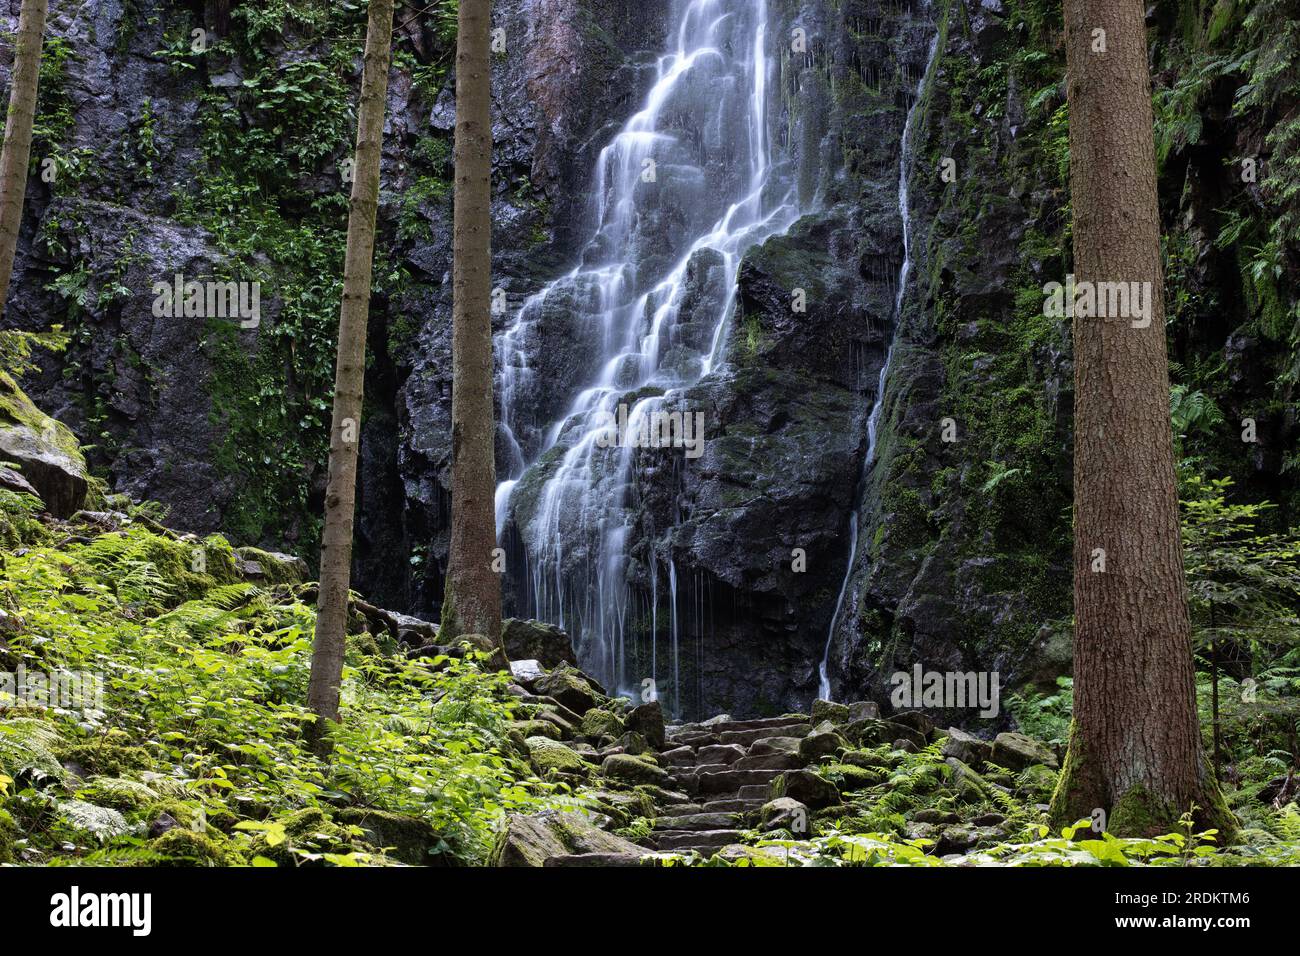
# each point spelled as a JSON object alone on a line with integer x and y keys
{"x": 472, "y": 604}
{"x": 349, "y": 380}
{"x": 1135, "y": 747}
{"x": 18, "y": 134}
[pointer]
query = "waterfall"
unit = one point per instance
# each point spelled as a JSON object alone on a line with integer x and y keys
{"x": 688, "y": 180}
{"x": 873, "y": 419}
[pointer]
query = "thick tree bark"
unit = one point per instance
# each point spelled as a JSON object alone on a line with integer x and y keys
{"x": 1135, "y": 748}
{"x": 349, "y": 380}
{"x": 472, "y": 604}
{"x": 18, "y": 134}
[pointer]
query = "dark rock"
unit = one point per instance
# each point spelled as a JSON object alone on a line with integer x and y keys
{"x": 806, "y": 787}
{"x": 536, "y": 640}
{"x": 569, "y": 686}
{"x": 1017, "y": 751}
{"x": 630, "y": 769}
{"x": 45, "y": 450}
{"x": 966, "y": 747}
{"x": 648, "y": 720}
{"x": 786, "y": 813}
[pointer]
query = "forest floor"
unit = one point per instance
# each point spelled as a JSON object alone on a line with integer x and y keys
{"x": 193, "y": 754}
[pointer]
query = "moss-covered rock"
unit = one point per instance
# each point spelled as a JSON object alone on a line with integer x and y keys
{"x": 407, "y": 838}
{"x": 533, "y": 839}
{"x": 633, "y": 770}
{"x": 45, "y": 450}
{"x": 106, "y": 759}
{"x": 181, "y": 846}
{"x": 598, "y": 722}
{"x": 549, "y": 755}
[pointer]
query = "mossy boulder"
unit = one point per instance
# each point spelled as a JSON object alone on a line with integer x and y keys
{"x": 829, "y": 710}
{"x": 807, "y": 787}
{"x": 184, "y": 847}
{"x": 633, "y": 770}
{"x": 107, "y": 759}
{"x": 823, "y": 741}
{"x": 308, "y": 830}
{"x": 46, "y": 451}
{"x": 118, "y": 793}
{"x": 549, "y": 755}
{"x": 408, "y": 839}
{"x": 848, "y": 777}
{"x": 537, "y": 641}
{"x": 966, "y": 747}
{"x": 531, "y": 840}
{"x": 270, "y": 567}
{"x": 598, "y": 722}
{"x": 1018, "y": 751}
{"x": 569, "y": 686}
{"x": 648, "y": 721}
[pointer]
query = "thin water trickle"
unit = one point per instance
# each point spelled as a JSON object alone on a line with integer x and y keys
{"x": 873, "y": 419}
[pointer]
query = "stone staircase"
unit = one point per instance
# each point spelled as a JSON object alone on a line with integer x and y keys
{"x": 726, "y": 769}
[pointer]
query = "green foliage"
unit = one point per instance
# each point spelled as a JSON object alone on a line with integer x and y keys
{"x": 1045, "y": 716}
{"x": 203, "y": 718}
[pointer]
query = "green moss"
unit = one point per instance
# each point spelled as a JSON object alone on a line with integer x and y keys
{"x": 107, "y": 759}
{"x": 7, "y": 834}
{"x": 182, "y": 847}
{"x": 407, "y": 838}
{"x": 17, "y": 410}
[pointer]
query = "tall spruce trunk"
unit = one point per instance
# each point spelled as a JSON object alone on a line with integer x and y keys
{"x": 18, "y": 134}
{"x": 349, "y": 381}
{"x": 472, "y": 603}
{"x": 1135, "y": 747}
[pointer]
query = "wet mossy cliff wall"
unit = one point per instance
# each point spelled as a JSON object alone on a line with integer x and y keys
{"x": 228, "y": 164}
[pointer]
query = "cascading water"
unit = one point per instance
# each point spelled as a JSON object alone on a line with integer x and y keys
{"x": 873, "y": 420}
{"x": 689, "y": 180}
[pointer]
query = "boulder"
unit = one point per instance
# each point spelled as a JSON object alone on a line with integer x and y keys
{"x": 648, "y": 720}
{"x": 408, "y": 838}
{"x": 966, "y": 783}
{"x": 547, "y": 755}
{"x": 569, "y": 686}
{"x": 537, "y": 640}
{"x": 966, "y": 747}
{"x": 46, "y": 451}
{"x": 633, "y": 770}
{"x": 822, "y": 741}
{"x": 530, "y": 840}
{"x": 916, "y": 720}
{"x": 527, "y": 671}
{"x": 599, "y": 723}
{"x": 828, "y": 710}
{"x": 785, "y": 813}
{"x": 1018, "y": 751}
{"x": 806, "y": 787}
{"x": 863, "y": 710}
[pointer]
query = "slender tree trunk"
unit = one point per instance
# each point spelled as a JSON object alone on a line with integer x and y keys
{"x": 18, "y": 134}
{"x": 1135, "y": 748}
{"x": 349, "y": 380}
{"x": 472, "y": 604}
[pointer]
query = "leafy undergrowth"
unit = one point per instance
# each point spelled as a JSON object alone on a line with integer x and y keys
{"x": 196, "y": 755}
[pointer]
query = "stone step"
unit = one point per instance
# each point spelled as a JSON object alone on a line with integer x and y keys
{"x": 719, "y": 753}
{"x": 682, "y": 840}
{"x": 777, "y": 761}
{"x": 760, "y": 791}
{"x": 747, "y": 737}
{"x": 678, "y": 757}
{"x": 759, "y": 723}
{"x": 731, "y": 781}
{"x": 679, "y": 810}
{"x": 698, "y": 821}
{"x": 733, "y": 805}
{"x": 692, "y": 740}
